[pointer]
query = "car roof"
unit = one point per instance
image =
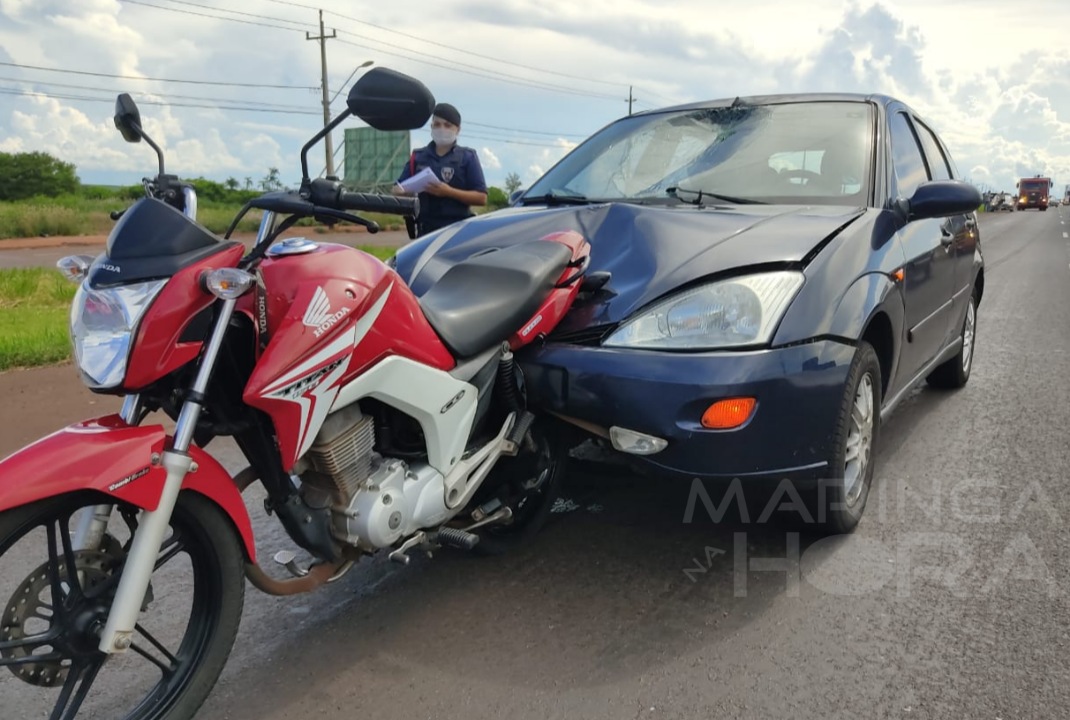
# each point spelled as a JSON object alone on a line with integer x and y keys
{"x": 778, "y": 99}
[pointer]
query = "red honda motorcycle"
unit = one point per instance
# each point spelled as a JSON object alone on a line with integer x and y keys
{"x": 373, "y": 419}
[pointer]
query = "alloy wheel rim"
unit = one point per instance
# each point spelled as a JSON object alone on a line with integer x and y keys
{"x": 967, "y": 337}
{"x": 859, "y": 440}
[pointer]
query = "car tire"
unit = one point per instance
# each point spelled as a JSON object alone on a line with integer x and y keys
{"x": 841, "y": 498}
{"x": 955, "y": 373}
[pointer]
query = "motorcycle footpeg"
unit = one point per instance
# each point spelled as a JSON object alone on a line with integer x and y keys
{"x": 455, "y": 538}
{"x": 520, "y": 429}
{"x": 286, "y": 558}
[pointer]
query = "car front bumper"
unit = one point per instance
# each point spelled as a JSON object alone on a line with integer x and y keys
{"x": 798, "y": 390}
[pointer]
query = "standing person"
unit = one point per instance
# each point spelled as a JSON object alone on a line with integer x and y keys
{"x": 460, "y": 184}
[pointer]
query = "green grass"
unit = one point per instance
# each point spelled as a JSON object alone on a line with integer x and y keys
{"x": 34, "y": 307}
{"x": 72, "y": 215}
{"x": 34, "y": 311}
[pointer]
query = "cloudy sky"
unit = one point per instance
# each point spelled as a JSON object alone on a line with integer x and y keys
{"x": 530, "y": 79}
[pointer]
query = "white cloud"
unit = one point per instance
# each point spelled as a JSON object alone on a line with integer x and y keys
{"x": 1003, "y": 107}
{"x": 489, "y": 160}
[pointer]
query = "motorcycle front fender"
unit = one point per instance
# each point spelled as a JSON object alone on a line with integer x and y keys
{"x": 109, "y": 456}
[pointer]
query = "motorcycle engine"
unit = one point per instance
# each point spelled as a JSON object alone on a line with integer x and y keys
{"x": 374, "y": 501}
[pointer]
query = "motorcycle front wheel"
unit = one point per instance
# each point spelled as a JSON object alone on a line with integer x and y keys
{"x": 54, "y": 601}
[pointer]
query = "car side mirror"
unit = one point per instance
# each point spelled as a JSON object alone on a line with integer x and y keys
{"x": 942, "y": 198}
{"x": 515, "y": 196}
{"x": 128, "y": 118}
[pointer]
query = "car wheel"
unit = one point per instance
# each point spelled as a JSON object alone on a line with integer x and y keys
{"x": 955, "y": 373}
{"x": 841, "y": 499}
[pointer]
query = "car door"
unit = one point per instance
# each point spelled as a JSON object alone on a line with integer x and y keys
{"x": 961, "y": 234}
{"x": 929, "y": 271}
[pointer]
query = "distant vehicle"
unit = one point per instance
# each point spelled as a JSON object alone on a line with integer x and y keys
{"x": 1004, "y": 202}
{"x": 1033, "y": 192}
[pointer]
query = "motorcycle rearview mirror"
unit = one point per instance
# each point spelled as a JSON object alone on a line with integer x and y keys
{"x": 389, "y": 100}
{"x": 128, "y": 121}
{"x": 128, "y": 118}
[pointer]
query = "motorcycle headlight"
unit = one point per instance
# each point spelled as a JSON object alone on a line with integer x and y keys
{"x": 736, "y": 312}
{"x": 103, "y": 324}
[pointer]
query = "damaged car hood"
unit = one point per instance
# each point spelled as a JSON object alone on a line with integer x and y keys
{"x": 648, "y": 250}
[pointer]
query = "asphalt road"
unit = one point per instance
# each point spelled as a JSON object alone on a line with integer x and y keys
{"x": 950, "y": 600}
{"x": 28, "y": 252}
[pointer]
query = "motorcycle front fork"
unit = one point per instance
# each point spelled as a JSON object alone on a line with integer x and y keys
{"x": 152, "y": 525}
{"x": 89, "y": 533}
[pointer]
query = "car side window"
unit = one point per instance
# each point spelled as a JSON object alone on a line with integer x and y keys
{"x": 906, "y": 156}
{"x": 938, "y": 166}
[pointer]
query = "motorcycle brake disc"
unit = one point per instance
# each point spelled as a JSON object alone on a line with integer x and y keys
{"x": 29, "y": 612}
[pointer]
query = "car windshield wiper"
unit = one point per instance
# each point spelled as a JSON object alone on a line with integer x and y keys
{"x": 700, "y": 194}
{"x": 557, "y": 197}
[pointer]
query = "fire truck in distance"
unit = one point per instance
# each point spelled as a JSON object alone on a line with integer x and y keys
{"x": 1033, "y": 192}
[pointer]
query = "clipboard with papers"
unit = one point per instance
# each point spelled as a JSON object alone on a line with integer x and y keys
{"x": 420, "y": 181}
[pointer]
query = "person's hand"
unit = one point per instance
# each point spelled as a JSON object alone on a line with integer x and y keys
{"x": 439, "y": 189}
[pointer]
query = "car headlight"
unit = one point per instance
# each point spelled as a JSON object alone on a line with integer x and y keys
{"x": 103, "y": 323}
{"x": 736, "y": 312}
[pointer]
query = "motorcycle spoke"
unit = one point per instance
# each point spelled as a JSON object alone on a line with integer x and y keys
{"x": 131, "y": 525}
{"x": 168, "y": 550}
{"x": 80, "y": 676}
{"x": 59, "y": 596}
{"x": 167, "y": 669}
{"x": 73, "y": 581}
{"x": 171, "y": 547}
{"x": 31, "y": 642}
{"x": 32, "y": 659}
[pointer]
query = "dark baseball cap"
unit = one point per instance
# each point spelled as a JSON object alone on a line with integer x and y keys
{"x": 448, "y": 113}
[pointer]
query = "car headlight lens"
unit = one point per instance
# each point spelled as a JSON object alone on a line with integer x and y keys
{"x": 103, "y": 323}
{"x": 730, "y": 313}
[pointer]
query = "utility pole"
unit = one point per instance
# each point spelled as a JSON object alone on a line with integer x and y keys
{"x": 630, "y": 99}
{"x": 322, "y": 38}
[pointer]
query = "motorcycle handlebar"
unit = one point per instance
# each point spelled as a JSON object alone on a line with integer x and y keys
{"x": 369, "y": 202}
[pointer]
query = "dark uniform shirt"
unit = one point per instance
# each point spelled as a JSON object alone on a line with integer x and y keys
{"x": 458, "y": 168}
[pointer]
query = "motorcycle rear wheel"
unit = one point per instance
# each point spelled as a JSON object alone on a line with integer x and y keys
{"x": 529, "y": 484}
{"x": 49, "y": 628}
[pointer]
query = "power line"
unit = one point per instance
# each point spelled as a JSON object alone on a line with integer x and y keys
{"x": 290, "y": 3}
{"x": 157, "y": 94}
{"x": 529, "y": 132}
{"x": 238, "y": 12}
{"x": 488, "y": 138}
{"x": 506, "y": 79}
{"x": 451, "y": 47}
{"x": 57, "y": 96}
{"x": 454, "y": 65}
{"x": 238, "y": 108}
{"x": 155, "y": 79}
{"x": 214, "y": 17}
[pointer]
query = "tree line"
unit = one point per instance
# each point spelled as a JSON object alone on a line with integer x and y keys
{"x": 37, "y": 174}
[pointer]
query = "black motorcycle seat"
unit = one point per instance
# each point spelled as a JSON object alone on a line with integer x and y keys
{"x": 484, "y": 299}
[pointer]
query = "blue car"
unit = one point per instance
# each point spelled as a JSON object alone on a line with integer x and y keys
{"x": 769, "y": 277}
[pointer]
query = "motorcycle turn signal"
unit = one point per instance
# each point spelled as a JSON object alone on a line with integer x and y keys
{"x": 227, "y": 283}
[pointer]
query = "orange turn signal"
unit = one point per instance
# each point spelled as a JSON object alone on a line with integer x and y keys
{"x": 728, "y": 413}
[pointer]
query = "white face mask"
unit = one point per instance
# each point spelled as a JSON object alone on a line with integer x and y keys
{"x": 442, "y": 136}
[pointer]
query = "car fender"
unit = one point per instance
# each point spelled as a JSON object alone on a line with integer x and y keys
{"x": 870, "y": 293}
{"x": 109, "y": 456}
